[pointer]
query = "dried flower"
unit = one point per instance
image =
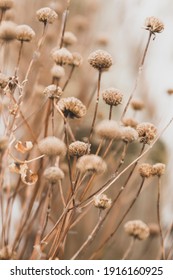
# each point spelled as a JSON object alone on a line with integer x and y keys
{"x": 137, "y": 229}
{"x": 112, "y": 96}
{"x": 52, "y": 146}
{"x": 128, "y": 134}
{"x": 62, "y": 56}
{"x": 23, "y": 148}
{"x": 7, "y": 31}
{"x": 146, "y": 132}
{"x": 145, "y": 170}
{"x": 78, "y": 149}
{"x": 53, "y": 174}
{"x": 3, "y": 143}
{"x": 102, "y": 201}
{"x": 137, "y": 105}
{"x": 158, "y": 169}
{"x": 154, "y": 25}
{"x": 53, "y": 91}
{"x": 130, "y": 122}
{"x": 77, "y": 59}
{"x": 102, "y": 40}
{"x": 6, "y": 4}
{"x": 57, "y": 71}
{"x": 72, "y": 107}
{"x": 101, "y": 60}
{"x": 91, "y": 163}
{"x": 69, "y": 38}
{"x": 80, "y": 23}
{"x": 46, "y": 15}
{"x": 108, "y": 129}
{"x": 24, "y": 33}
{"x": 3, "y": 80}
{"x": 170, "y": 91}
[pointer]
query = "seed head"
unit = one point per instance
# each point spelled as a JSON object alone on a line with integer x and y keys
{"x": 158, "y": 169}
{"x": 130, "y": 122}
{"x": 77, "y": 59}
{"x": 101, "y": 60}
{"x": 6, "y": 4}
{"x": 147, "y": 132}
{"x": 170, "y": 91}
{"x": 53, "y": 174}
{"x": 69, "y": 38}
{"x": 102, "y": 201}
{"x": 137, "y": 105}
{"x": 78, "y": 149}
{"x": 154, "y": 25}
{"x": 80, "y": 23}
{"x": 108, "y": 129}
{"x": 62, "y": 56}
{"x": 52, "y": 146}
{"x": 137, "y": 229}
{"x": 7, "y": 31}
{"x": 128, "y": 134}
{"x": 57, "y": 71}
{"x": 91, "y": 163}
{"x": 72, "y": 107}
{"x": 3, "y": 80}
{"x": 112, "y": 96}
{"x": 53, "y": 91}
{"x": 24, "y": 33}
{"x": 46, "y": 15}
{"x": 102, "y": 40}
{"x": 145, "y": 170}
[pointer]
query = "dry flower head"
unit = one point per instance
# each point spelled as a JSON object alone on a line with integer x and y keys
{"x": 147, "y": 132}
{"x": 6, "y": 4}
{"x": 46, "y": 15}
{"x": 91, "y": 163}
{"x": 52, "y": 146}
{"x": 154, "y": 25}
{"x": 112, "y": 96}
{"x": 137, "y": 229}
{"x": 145, "y": 170}
{"x": 7, "y": 31}
{"x": 72, "y": 107}
{"x": 158, "y": 169}
{"x": 57, "y": 71}
{"x": 24, "y": 33}
{"x": 53, "y": 174}
{"x": 53, "y": 91}
{"x": 78, "y": 149}
{"x": 108, "y": 129}
{"x": 62, "y": 56}
{"x": 137, "y": 105}
{"x": 128, "y": 134}
{"x": 102, "y": 201}
{"x": 100, "y": 60}
{"x": 130, "y": 122}
{"x": 69, "y": 38}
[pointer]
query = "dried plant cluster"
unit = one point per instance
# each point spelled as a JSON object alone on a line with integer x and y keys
{"x": 70, "y": 179}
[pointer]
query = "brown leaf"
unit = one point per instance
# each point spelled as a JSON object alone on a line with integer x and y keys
{"x": 29, "y": 177}
{"x": 23, "y": 148}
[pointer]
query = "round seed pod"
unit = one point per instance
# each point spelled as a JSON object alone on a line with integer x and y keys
{"x": 53, "y": 174}
{"x": 53, "y": 91}
{"x": 158, "y": 169}
{"x": 72, "y": 107}
{"x": 69, "y": 38}
{"x": 46, "y": 15}
{"x": 24, "y": 33}
{"x": 52, "y": 146}
{"x": 108, "y": 129}
{"x": 91, "y": 163}
{"x": 6, "y": 4}
{"x": 137, "y": 229}
{"x": 112, "y": 96}
{"x": 145, "y": 170}
{"x": 57, "y": 71}
{"x": 100, "y": 60}
{"x": 154, "y": 25}
{"x": 62, "y": 56}
{"x": 7, "y": 31}
{"x": 78, "y": 149}
{"x": 146, "y": 131}
{"x": 102, "y": 201}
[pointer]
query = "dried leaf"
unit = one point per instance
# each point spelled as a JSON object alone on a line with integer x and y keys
{"x": 29, "y": 178}
{"x": 23, "y": 148}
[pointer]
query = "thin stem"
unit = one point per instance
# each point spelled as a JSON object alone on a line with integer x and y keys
{"x": 110, "y": 112}
{"x": 19, "y": 57}
{"x": 129, "y": 249}
{"x": 69, "y": 77}
{"x": 159, "y": 220}
{"x": 138, "y": 75}
{"x": 96, "y": 105}
{"x": 64, "y": 22}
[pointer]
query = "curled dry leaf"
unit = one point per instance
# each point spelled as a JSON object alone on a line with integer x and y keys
{"x": 27, "y": 176}
{"x": 23, "y": 148}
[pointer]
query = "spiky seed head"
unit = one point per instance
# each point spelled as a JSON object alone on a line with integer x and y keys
{"x": 62, "y": 56}
{"x": 57, "y": 71}
{"x": 72, "y": 107}
{"x": 147, "y": 132}
{"x": 100, "y": 60}
{"x": 6, "y": 4}
{"x": 53, "y": 91}
{"x": 137, "y": 229}
{"x": 145, "y": 170}
{"x": 91, "y": 163}
{"x": 137, "y": 105}
{"x": 78, "y": 149}
{"x": 154, "y": 25}
{"x": 24, "y": 33}
{"x": 102, "y": 201}
{"x": 52, "y": 146}
{"x": 128, "y": 134}
{"x": 130, "y": 122}
{"x": 112, "y": 96}
{"x": 53, "y": 174}
{"x": 108, "y": 129}
{"x": 69, "y": 38}
{"x": 7, "y": 31}
{"x": 158, "y": 169}
{"x": 46, "y": 15}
